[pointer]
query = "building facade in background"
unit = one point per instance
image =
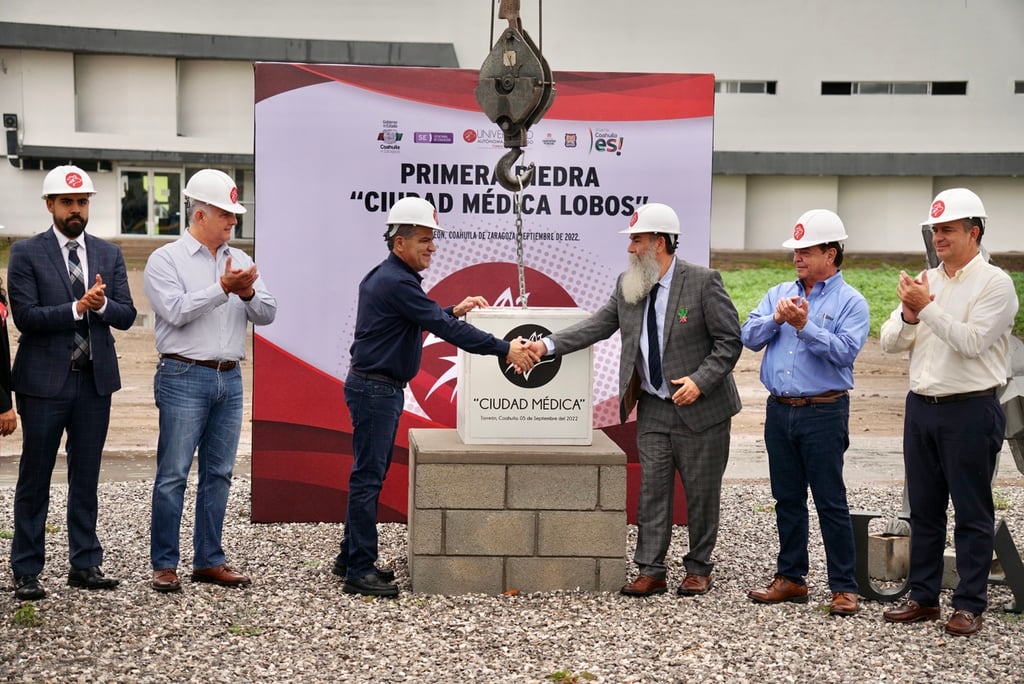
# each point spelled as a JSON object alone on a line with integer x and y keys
{"x": 868, "y": 109}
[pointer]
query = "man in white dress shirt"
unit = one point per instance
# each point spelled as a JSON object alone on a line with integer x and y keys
{"x": 955, "y": 320}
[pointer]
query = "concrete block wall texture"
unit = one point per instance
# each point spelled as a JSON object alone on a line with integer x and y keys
{"x": 487, "y": 518}
{"x": 555, "y": 487}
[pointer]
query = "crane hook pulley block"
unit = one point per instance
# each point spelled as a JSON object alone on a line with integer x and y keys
{"x": 515, "y": 90}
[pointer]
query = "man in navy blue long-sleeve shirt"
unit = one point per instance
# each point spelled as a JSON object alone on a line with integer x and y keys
{"x": 392, "y": 313}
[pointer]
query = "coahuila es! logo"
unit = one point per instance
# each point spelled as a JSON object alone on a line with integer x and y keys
{"x": 390, "y": 137}
{"x": 606, "y": 140}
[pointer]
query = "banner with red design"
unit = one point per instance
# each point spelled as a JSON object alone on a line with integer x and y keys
{"x": 337, "y": 145}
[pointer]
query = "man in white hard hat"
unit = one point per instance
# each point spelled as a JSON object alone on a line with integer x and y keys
{"x": 68, "y": 289}
{"x": 811, "y": 329}
{"x": 204, "y": 294}
{"x": 392, "y": 313}
{"x": 955, "y": 320}
{"x": 680, "y": 341}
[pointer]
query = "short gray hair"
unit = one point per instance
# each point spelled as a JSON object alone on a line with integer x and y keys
{"x": 193, "y": 206}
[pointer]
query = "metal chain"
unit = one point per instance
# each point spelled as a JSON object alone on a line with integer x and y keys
{"x": 517, "y": 199}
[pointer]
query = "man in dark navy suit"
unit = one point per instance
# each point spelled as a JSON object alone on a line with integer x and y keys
{"x": 67, "y": 289}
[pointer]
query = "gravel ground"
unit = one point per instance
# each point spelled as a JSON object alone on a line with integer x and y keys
{"x": 296, "y": 624}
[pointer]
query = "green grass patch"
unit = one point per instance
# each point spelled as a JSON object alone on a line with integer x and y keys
{"x": 570, "y": 677}
{"x": 26, "y": 615}
{"x": 748, "y": 285}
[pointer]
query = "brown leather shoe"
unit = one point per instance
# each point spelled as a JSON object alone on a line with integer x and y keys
{"x": 694, "y": 585}
{"x": 843, "y": 603}
{"x": 222, "y": 575}
{"x": 166, "y": 580}
{"x": 911, "y": 611}
{"x": 779, "y": 591}
{"x": 963, "y": 623}
{"x": 645, "y": 585}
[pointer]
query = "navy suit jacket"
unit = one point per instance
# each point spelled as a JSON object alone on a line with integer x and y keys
{"x": 41, "y": 299}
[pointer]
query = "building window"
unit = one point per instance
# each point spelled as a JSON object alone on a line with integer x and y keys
{"x": 757, "y": 87}
{"x": 949, "y": 87}
{"x": 910, "y": 88}
{"x": 150, "y": 202}
{"x": 894, "y": 87}
{"x": 1018, "y": 87}
{"x": 836, "y": 88}
{"x": 872, "y": 88}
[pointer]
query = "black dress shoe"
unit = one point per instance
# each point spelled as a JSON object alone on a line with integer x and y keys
{"x": 385, "y": 574}
{"x": 90, "y": 578}
{"x": 370, "y": 585}
{"x": 28, "y": 588}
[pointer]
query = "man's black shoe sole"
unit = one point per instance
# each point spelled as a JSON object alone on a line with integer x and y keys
{"x": 350, "y": 588}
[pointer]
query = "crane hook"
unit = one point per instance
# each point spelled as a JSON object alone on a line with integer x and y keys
{"x": 504, "y": 175}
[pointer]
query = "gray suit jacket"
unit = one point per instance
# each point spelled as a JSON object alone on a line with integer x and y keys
{"x": 705, "y": 347}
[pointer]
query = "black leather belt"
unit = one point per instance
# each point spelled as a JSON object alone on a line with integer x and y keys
{"x": 830, "y": 397}
{"x": 378, "y": 377}
{"x": 990, "y": 392}
{"x": 80, "y": 365}
{"x": 216, "y": 365}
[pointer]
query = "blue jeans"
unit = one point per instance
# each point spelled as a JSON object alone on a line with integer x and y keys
{"x": 805, "y": 446}
{"x": 375, "y": 408}
{"x": 199, "y": 407}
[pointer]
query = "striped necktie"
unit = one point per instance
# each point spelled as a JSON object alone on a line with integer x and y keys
{"x": 78, "y": 290}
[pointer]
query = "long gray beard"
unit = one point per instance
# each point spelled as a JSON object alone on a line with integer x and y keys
{"x": 640, "y": 277}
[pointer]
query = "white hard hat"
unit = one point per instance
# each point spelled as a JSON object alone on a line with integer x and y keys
{"x": 953, "y": 204}
{"x": 67, "y": 180}
{"x": 215, "y": 188}
{"x": 653, "y": 218}
{"x": 414, "y": 211}
{"x": 816, "y": 227}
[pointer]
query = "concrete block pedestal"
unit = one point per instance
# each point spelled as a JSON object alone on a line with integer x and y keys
{"x": 888, "y": 556}
{"x": 494, "y": 518}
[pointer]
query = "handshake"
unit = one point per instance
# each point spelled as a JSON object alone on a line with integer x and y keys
{"x": 524, "y": 355}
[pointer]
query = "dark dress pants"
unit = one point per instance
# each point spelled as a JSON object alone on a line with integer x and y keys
{"x": 950, "y": 453}
{"x": 85, "y": 416}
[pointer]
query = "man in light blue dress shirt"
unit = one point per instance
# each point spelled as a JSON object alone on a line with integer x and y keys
{"x": 204, "y": 294}
{"x": 811, "y": 330}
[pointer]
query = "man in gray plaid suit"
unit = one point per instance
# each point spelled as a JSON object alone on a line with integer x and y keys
{"x": 680, "y": 342}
